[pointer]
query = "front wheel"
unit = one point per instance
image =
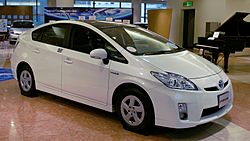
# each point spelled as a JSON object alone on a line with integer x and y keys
{"x": 26, "y": 81}
{"x": 135, "y": 111}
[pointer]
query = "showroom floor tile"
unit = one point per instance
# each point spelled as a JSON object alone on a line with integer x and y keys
{"x": 51, "y": 118}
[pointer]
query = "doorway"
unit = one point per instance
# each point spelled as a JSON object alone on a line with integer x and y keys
{"x": 188, "y": 28}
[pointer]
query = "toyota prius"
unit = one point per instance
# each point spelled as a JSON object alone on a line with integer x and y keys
{"x": 145, "y": 78}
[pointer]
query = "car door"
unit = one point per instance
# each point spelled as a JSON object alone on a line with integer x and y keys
{"x": 82, "y": 76}
{"x": 48, "y": 45}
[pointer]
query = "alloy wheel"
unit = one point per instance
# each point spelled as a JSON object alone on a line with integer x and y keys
{"x": 132, "y": 110}
{"x": 26, "y": 80}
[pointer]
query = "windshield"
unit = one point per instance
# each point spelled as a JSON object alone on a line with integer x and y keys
{"x": 139, "y": 41}
{"x": 23, "y": 24}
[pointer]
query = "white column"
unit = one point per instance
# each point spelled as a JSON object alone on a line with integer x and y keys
{"x": 177, "y": 22}
{"x": 51, "y": 3}
{"x": 136, "y": 4}
{"x": 64, "y": 3}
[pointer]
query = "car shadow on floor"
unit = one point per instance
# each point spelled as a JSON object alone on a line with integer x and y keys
{"x": 160, "y": 133}
{"x": 195, "y": 133}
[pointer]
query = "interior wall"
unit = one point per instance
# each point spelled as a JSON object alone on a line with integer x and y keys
{"x": 208, "y": 11}
{"x": 217, "y": 11}
{"x": 205, "y": 11}
{"x": 176, "y": 32}
{"x": 237, "y": 5}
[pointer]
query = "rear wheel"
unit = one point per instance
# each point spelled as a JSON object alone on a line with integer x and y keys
{"x": 135, "y": 111}
{"x": 12, "y": 42}
{"x": 26, "y": 81}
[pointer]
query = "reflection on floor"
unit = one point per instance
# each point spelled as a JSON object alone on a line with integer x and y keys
{"x": 48, "y": 117}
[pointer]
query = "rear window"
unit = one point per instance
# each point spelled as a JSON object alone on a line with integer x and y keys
{"x": 23, "y": 24}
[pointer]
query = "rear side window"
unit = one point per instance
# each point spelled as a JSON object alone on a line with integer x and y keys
{"x": 37, "y": 34}
{"x": 56, "y": 34}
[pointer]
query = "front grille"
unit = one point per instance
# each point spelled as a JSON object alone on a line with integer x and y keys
{"x": 210, "y": 111}
{"x": 215, "y": 88}
{"x": 211, "y": 89}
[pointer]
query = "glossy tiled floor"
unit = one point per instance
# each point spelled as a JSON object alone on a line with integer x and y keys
{"x": 50, "y": 118}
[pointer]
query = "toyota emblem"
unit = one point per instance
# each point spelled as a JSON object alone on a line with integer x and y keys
{"x": 221, "y": 84}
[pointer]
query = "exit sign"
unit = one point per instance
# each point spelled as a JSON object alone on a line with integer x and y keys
{"x": 188, "y": 3}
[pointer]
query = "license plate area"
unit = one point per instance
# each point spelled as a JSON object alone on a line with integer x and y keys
{"x": 223, "y": 99}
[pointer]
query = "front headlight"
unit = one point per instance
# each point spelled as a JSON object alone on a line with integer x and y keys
{"x": 174, "y": 81}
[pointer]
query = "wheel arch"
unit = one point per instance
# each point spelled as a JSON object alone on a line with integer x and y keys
{"x": 129, "y": 85}
{"x": 148, "y": 121}
{"x": 31, "y": 90}
{"x": 20, "y": 65}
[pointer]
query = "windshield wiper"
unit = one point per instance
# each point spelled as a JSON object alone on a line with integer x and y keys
{"x": 158, "y": 52}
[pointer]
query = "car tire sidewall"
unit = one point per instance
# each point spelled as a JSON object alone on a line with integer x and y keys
{"x": 148, "y": 122}
{"x": 32, "y": 91}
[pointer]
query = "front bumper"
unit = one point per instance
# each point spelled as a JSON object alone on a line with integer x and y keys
{"x": 202, "y": 105}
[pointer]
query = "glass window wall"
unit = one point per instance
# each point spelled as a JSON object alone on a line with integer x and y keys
{"x": 38, "y": 11}
{"x": 1, "y": 2}
{"x": 145, "y": 6}
{"x": 126, "y": 5}
{"x": 80, "y": 3}
{"x": 103, "y": 4}
{"x": 149, "y": 6}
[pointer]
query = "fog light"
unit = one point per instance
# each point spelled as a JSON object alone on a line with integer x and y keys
{"x": 182, "y": 107}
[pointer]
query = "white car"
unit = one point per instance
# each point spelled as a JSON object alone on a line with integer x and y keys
{"x": 17, "y": 28}
{"x": 145, "y": 78}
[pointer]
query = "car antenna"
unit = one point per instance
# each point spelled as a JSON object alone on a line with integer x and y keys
{"x": 67, "y": 14}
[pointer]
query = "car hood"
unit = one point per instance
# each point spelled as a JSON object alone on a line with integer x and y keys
{"x": 184, "y": 63}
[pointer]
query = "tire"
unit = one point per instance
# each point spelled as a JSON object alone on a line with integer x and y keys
{"x": 135, "y": 111}
{"x": 26, "y": 81}
{"x": 12, "y": 42}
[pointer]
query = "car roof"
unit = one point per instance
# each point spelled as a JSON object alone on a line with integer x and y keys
{"x": 107, "y": 24}
{"x": 95, "y": 23}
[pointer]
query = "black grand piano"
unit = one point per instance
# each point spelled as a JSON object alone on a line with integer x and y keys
{"x": 234, "y": 35}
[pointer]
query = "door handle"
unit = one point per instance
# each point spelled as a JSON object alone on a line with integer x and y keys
{"x": 37, "y": 51}
{"x": 68, "y": 61}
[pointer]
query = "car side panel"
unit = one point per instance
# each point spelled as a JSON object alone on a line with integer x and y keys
{"x": 47, "y": 64}
{"x": 84, "y": 76}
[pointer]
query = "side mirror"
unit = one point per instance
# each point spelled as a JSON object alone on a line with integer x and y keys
{"x": 99, "y": 54}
